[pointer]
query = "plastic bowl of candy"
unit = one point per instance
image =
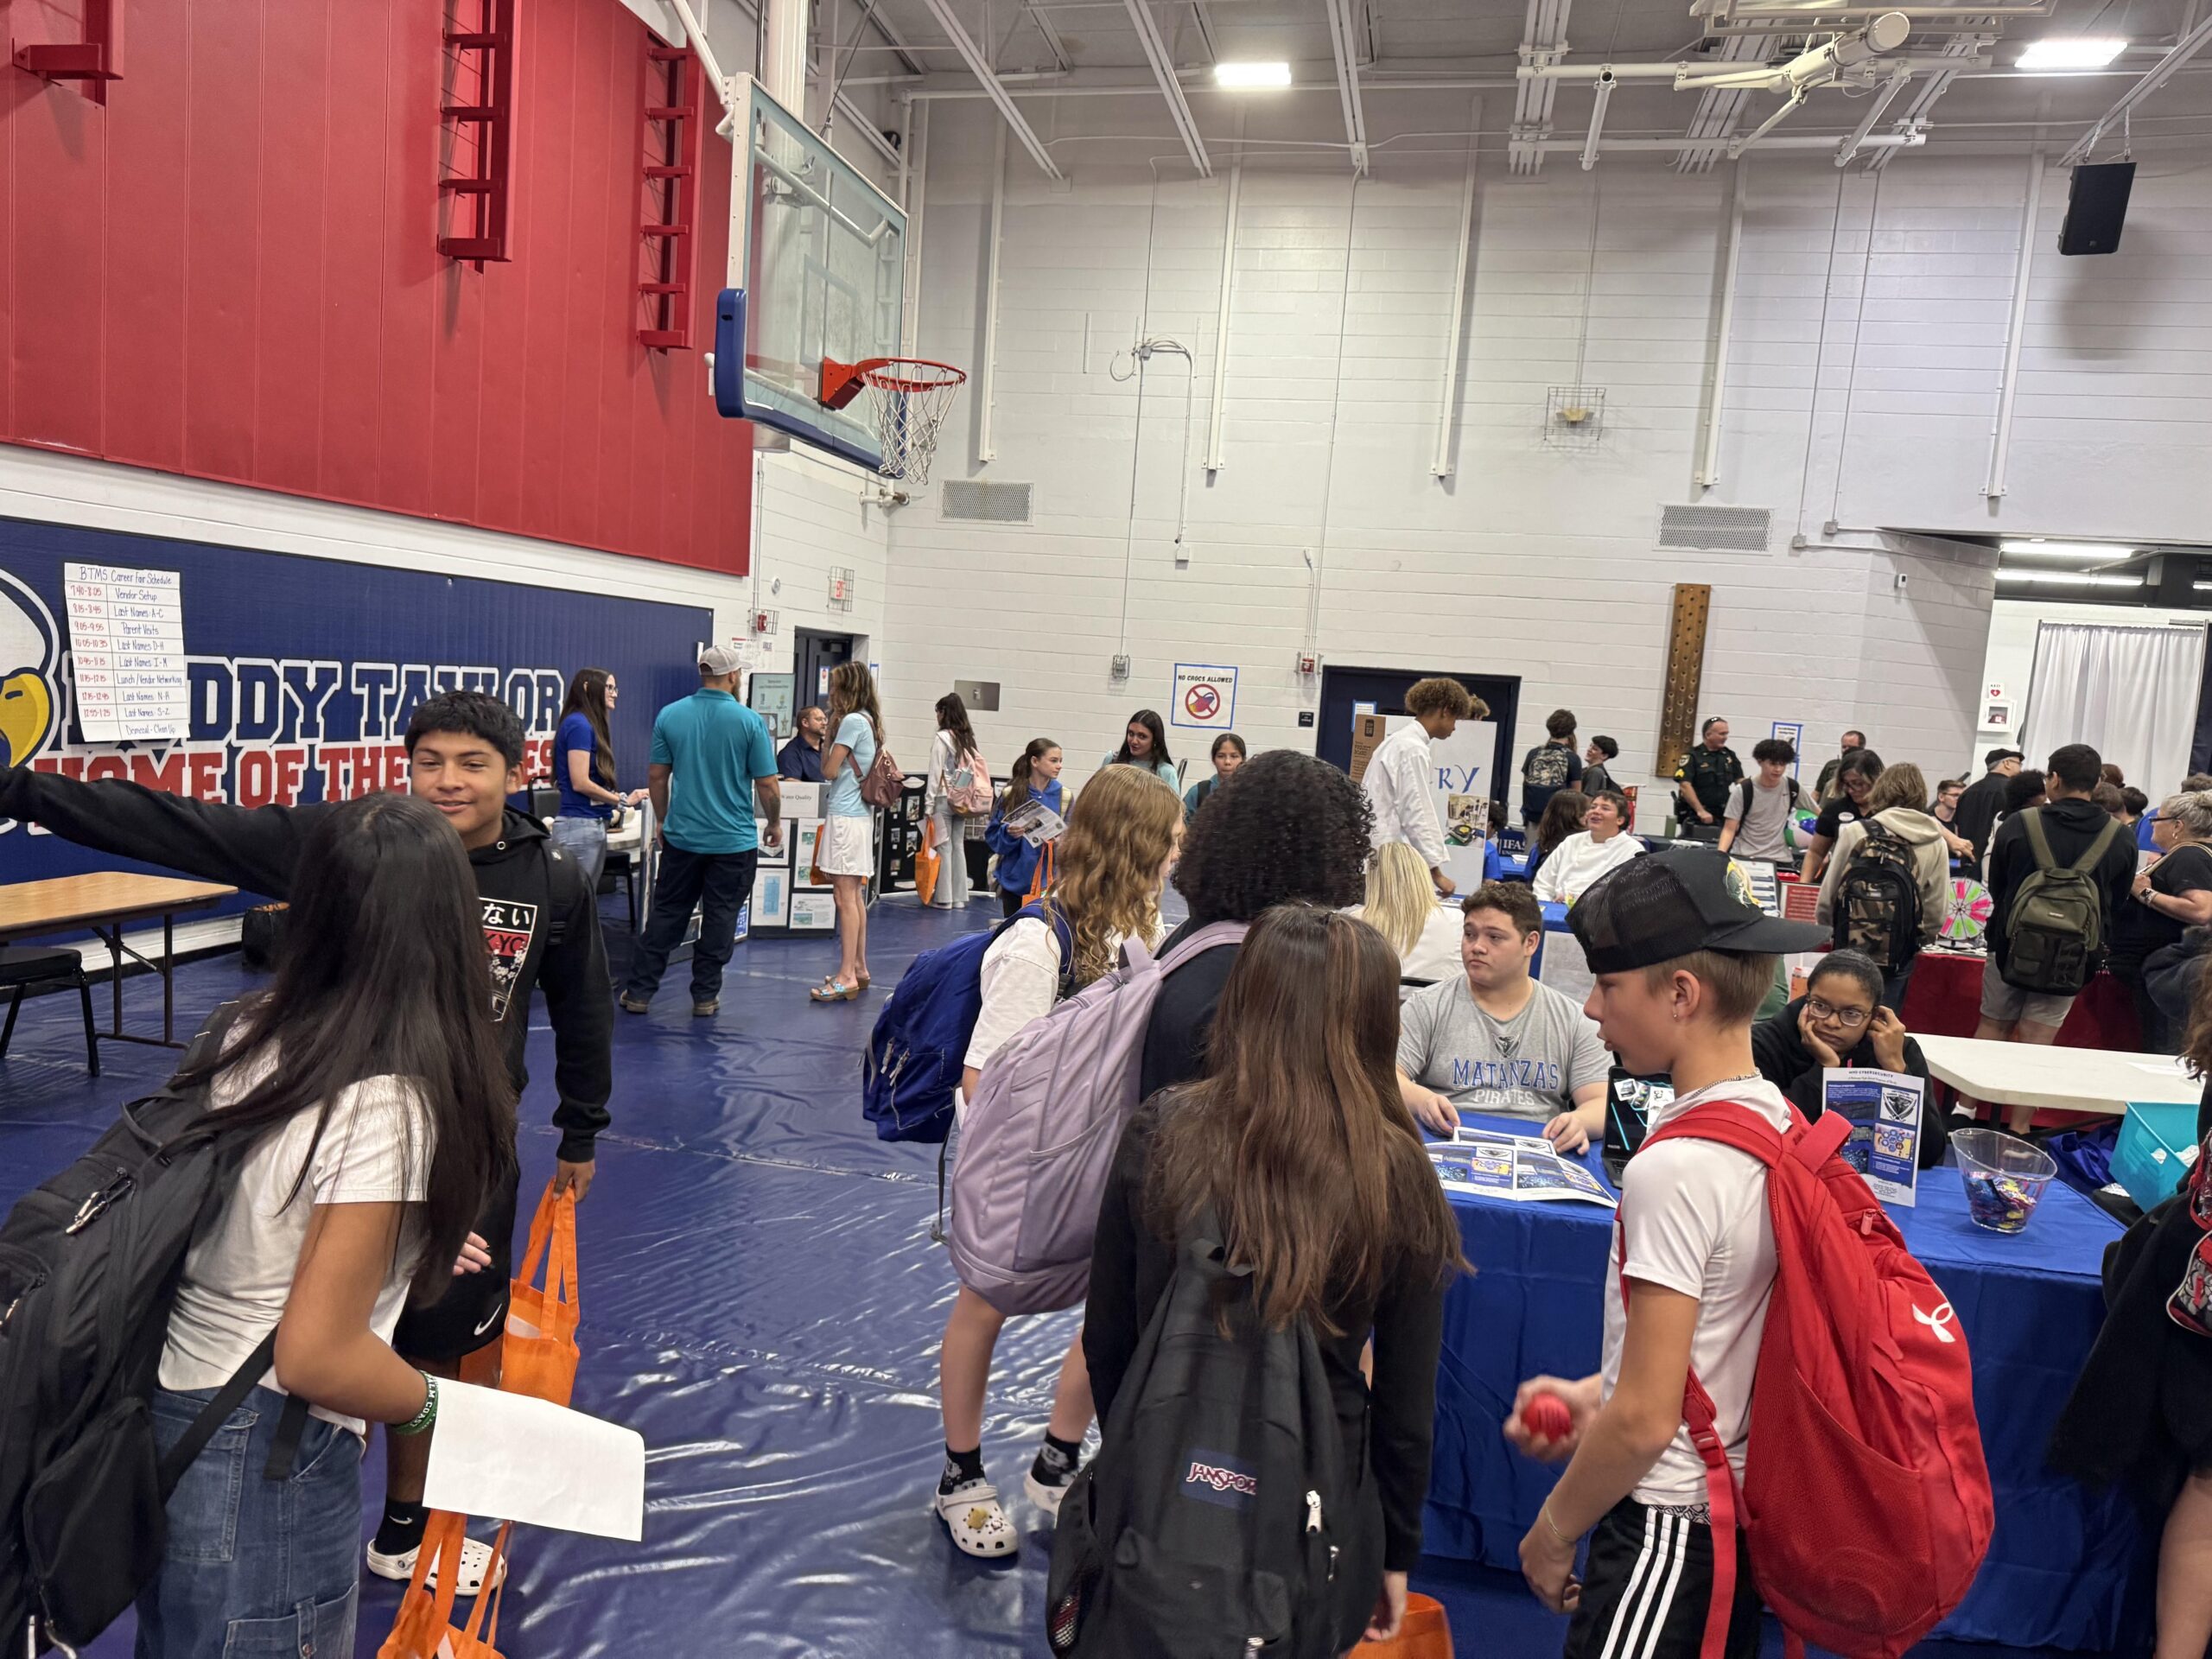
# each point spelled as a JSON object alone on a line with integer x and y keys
{"x": 2005, "y": 1178}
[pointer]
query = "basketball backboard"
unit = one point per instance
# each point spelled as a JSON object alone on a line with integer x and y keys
{"x": 817, "y": 269}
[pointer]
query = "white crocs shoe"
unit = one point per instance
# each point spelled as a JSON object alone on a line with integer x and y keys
{"x": 972, "y": 1514}
{"x": 475, "y": 1562}
{"x": 1046, "y": 1497}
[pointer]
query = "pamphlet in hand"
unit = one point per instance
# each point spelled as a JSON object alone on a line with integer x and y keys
{"x": 1524, "y": 1168}
{"x": 1884, "y": 1108}
{"x": 1036, "y": 823}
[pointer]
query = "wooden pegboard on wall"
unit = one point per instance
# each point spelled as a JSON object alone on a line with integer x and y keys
{"x": 1678, "y": 716}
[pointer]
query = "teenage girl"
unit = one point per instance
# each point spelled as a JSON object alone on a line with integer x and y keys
{"x": 1401, "y": 906}
{"x": 1144, "y": 745}
{"x": 1298, "y": 1142}
{"x": 370, "y": 1081}
{"x": 1228, "y": 755}
{"x": 846, "y": 853}
{"x": 583, "y": 769}
{"x": 1036, "y": 773}
{"x": 953, "y": 747}
{"x": 1123, "y": 836}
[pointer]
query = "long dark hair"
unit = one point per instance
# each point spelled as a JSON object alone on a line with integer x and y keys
{"x": 588, "y": 697}
{"x": 1018, "y": 788}
{"x": 952, "y": 717}
{"x": 384, "y": 975}
{"x": 1562, "y": 816}
{"x": 1296, "y": 1137}
{"x": 1151, "y": 723}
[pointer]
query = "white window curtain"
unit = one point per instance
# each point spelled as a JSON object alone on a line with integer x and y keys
{"x": 2130, "y": 693}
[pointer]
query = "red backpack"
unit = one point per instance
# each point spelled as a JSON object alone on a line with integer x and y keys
{"x": 1870, "y": 1511}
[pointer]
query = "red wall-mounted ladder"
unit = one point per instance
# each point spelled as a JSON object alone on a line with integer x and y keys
{"x": 96, "y": 56}
{"x": 480, "y": 138}
{"x": 668, "y": 197}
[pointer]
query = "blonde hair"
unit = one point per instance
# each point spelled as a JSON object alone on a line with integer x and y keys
{"x": 1120, "y": 833}
{"x": 852, "y": 691}
{"x": 1399, "y": 896}
{"x": 1901, "y": 785}
{"x": 1735, "y": 985}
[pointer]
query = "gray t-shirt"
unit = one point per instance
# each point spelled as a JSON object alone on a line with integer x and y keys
{"x": 1761, "y": 835}
{"x": 1527, "y": 1066}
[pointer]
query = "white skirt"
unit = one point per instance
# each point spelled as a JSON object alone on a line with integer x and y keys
{"x": 847, "y": 847}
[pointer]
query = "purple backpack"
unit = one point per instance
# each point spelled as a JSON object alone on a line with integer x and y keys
{"x": 1039, "y": 1139}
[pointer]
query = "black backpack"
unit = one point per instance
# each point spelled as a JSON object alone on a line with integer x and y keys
{"x": 1878, "y": 900}
{"x": 89, "y": 1265}
{"x": 1208, "y": 1523}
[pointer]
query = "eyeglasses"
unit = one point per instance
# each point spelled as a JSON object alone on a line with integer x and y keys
{"x": 1844, "y": 1017}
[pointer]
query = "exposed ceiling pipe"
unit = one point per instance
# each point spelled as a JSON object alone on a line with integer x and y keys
{"x": 1914, "y": 118}
{"x": 1163, "y": 71}
{"x": 1605, "y": 96}
{"x": 2187, "y": 47}
{"x": 1790, "y": 107}
{"x": 1720, "y": 107}
{"x": 1895, "y": 84}
{"x": 1543, "y": 43}
{"x": 1340, "y": 41}
{"x": 974, "y": 59}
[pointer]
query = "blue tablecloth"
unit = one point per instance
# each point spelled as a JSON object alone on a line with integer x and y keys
{"x": 2069, "y": 1568}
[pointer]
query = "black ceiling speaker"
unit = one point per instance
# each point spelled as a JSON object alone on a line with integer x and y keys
{"x": 2095, "y": 207}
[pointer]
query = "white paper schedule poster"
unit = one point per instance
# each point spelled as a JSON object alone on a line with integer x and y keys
{"x": 126, "y": 652}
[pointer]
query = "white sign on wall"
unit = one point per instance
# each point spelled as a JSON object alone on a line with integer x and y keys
{"x": 1205, "y": 697}
{"x": 126, "y": 648}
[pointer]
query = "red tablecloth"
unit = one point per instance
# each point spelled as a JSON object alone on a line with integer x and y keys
{"x": 1944, "y": 1000}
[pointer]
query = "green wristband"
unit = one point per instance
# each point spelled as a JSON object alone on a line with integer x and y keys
{"x": 422, "y": 1419}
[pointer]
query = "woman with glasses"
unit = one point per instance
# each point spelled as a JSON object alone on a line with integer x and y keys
{"x": 1840, "y": 1021}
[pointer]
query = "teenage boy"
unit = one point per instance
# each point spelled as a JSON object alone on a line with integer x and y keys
{"x": 1707, "y": 774}
{"x": 2073, "y": 827}
{"x": 1756, "y": 821}
{"x": 1550, "y": 766}
{"x": 1597, "y": 764}
{"x": 1682, "y": 958}
{"x": 1493, "y": 1039}
{"x": 1400, "y": 775}
{"x": 541, "y": 925}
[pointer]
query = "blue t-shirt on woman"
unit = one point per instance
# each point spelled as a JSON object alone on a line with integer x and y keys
{"x": 844, "y": 799}
{"x": 576, "y": 733}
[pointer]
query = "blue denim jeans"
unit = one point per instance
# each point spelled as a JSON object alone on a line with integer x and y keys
{"x": 255, "y": 1566}
{"x": 585, "y": 841}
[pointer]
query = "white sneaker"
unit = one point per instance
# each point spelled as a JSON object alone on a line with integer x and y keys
{"x": 475, "y": 1562}
{"x": 972, "y": 1514}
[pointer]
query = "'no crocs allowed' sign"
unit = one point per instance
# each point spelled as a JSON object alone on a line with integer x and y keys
{"x": 1205, "y": 696}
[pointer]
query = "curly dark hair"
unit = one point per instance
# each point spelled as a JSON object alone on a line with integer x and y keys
{"x": 1284, "y": 827}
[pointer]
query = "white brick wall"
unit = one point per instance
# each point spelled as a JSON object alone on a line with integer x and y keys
{"x": 810, "y": 516}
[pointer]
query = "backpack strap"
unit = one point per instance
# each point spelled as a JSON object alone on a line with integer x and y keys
{"x": 1209, "y": 937}
{"x": 2038, "y": 843}
{"x": 216, "y": 1411}
{"x": 2088, "y": 862}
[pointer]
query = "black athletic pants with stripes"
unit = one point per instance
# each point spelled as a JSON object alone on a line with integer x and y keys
{"x": 1647, "y": 1587}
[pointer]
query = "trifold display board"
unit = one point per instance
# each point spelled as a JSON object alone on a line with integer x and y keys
{"x": 301, "y": 673}
{"x": 784, "y": 899}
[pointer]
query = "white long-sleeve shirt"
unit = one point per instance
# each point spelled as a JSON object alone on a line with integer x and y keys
{"x": 1398, "y": 782}
{"x": 1576, "y": 863}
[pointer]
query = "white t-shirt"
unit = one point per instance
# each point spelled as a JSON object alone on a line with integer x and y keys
{"x": 1696, "y": 1215}
{"x": 1435, "y": 955}
{"x": 238, "y": 1274}
{"x": 1575, "y": 864}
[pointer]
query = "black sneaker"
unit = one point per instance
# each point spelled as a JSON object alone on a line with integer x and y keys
{"x": 708, "y": 1009}
{"x": 633, "y": 1005}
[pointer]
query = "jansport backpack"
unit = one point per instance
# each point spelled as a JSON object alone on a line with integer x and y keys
{"x": 1862, "y": 1404}
{"x": 1040, "y": 1135}
{"x": 2054, "y": 928}
{"x": 919, "y": 1046}
{"x": 1209, "y": 1522}
{"x": 1878, "y": 900}
{"x": 968, "y": 785}
{"x": 1545, "y": 767}
{"x": 89, "y": 1263}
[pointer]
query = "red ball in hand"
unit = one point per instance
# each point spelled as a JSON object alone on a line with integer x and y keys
{"x": 1546, "y": 1417}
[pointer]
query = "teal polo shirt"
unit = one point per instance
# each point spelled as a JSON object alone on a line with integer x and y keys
{"x": 715, "y": 746}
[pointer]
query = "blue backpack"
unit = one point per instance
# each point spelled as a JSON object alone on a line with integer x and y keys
{"x": 916, "y": 1052}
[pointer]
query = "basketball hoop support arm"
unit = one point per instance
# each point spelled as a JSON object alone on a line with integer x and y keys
{"x": 696, "y": 37}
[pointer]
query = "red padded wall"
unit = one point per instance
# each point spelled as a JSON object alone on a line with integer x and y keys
{"x": 232, "y": 272}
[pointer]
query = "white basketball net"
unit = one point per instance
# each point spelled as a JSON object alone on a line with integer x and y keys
{"x": 912, "y": 397}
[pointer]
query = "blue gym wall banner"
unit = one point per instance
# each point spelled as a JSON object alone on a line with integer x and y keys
{"x": 304, "y": 671}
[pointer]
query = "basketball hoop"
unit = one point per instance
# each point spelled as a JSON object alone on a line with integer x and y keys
{"x": 913, "y": 396}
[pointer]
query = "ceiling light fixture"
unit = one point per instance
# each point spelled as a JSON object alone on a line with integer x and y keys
{"x": 2084, "y": 552}
{"x": 2063, "y": 579}
{"x": 1247, "y": 77}
{"x": 2089, "y": 52}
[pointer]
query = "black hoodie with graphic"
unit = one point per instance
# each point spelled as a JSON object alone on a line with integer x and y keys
{"x": 541, "y": 925}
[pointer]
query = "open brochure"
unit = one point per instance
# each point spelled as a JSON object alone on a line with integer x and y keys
{"x": 1522, "y": 1168}
{"x": 1035, "y": 823}
{"x": 1884, "y": 1108}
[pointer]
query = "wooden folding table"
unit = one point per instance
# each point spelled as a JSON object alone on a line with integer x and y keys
{"x": 102, "y": 902}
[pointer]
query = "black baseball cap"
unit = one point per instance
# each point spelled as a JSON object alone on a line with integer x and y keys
{"x": 1668, "y": 904}
{"x": 1997, "y": 757}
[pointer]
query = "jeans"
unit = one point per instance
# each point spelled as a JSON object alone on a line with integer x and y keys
{"x": 1893, "y": 985}
{"x": 255, "y": 1566}
{"x": 719, "y": 884}
{"x": 585, "y": 841}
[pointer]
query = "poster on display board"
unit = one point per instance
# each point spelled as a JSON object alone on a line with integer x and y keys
{"x": 301, "y": 673}
{"x": 1203, "y": 697}
{"x": 1461, "y": 785}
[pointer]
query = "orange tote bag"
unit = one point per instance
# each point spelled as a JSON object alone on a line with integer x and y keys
{"x": 1425, "y": 1633}
{"x": 538, "y": 1354}
{"x": 424, "y": 1628}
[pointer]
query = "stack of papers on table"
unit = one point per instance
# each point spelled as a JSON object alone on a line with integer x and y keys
{"x": 1522, "y": 1168}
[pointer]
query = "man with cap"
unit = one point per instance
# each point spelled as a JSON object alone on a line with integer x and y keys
{"x": 712, "y": 765}
{"x": 1975, "y": 815}
{"x": 1682, "y": 958}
